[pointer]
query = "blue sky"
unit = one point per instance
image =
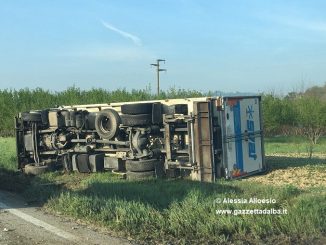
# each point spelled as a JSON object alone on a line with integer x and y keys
{"x": 246, "y": 46}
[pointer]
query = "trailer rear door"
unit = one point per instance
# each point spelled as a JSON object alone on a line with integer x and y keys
{"x": 242, "y": 136}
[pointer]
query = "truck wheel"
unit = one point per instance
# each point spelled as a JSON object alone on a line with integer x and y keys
{"x": 32, "y": 116}
{"x": 35, "y": 170}
{"x": 45, "y": 117}
{"x": 136, "y": 120}
{"x": 67, "y": 163}
{"x": 141, "y": 165}
{"x": 140, "y": 175}
{"x": 107, "y": 123}
{"x": 139, "y": 108}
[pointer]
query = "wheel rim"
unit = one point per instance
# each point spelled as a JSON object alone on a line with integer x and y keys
{"x": 106, "y": 125}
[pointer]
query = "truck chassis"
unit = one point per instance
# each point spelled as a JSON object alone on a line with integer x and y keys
{"x": 178, "y": 137}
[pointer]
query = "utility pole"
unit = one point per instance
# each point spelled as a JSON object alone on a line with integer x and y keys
{"x": 158, "y": 70}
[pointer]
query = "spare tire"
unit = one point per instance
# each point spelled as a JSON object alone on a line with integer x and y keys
{"x": 140, "y": 175}
{"x": 139, "y": 108}
{"x": 107, "y": 123}
{"x": 45, "y": 117}
{"x": 35, "y": 170}
{"x": 141, "y": 165}
{"x": 67, "y": 163}
{"x": 136, "y": 120}
{"x": 32, "y": 116}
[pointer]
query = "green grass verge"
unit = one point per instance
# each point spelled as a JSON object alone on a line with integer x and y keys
{"x": 8, "y": 154}
{"x": 10, "y": 178}
{"x": 296, "y": 145}
{"x": 178, "y": 211}
{"x": 184, "y": 211}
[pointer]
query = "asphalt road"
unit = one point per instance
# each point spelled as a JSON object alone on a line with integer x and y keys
{"x": 24, "y": 224}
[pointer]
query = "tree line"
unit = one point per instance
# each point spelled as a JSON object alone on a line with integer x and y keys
{"x": 297, "y": 113}
{"x": 14, "y": 101}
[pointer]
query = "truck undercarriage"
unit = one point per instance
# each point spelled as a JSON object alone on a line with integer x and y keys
{"x": 182, "y": 137}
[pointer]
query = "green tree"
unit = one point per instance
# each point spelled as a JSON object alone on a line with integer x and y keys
{"x": 311, "y": 117}
{"x": 14, "y": 101}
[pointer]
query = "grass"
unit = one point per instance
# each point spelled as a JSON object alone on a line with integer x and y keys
{"x": 8, "y": 154}
{"x": 289, "y": 162}
{"x": 293, "y": 145}
{"x": 10, "y": 178}
{"x": 183, "y": 211}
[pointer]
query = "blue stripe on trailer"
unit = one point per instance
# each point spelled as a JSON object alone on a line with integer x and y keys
{"x": 238, "y": 138}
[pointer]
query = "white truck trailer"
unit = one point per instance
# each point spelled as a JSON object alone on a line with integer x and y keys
{"x": 201, "y": 138}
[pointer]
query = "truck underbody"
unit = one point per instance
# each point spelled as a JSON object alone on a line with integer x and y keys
{"x": 204, "y": 138}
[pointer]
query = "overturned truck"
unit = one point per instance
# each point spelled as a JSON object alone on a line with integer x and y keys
{"x": 203, "y": 138}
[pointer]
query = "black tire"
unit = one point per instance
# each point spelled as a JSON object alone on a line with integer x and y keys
{"x": 107, "y": 123}
{"x": 135, "y": 109}
{"x": 35, "y": 170}
{"x": 91, "y": 120}
{"x": 32, "y": 116}
{"x": 67, "y": 163}
{"x": 140, "y": 175}
{"x": 141, "y": 165}
{"x": 45, "y": 117}
{"x": 136, "y": 120}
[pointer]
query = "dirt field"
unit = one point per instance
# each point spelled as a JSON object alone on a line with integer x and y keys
{"x": 294, "y": 169}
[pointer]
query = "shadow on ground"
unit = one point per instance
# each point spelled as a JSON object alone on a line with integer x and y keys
{"x": 158, "y": 193}
{"x": 11, "y": 180}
